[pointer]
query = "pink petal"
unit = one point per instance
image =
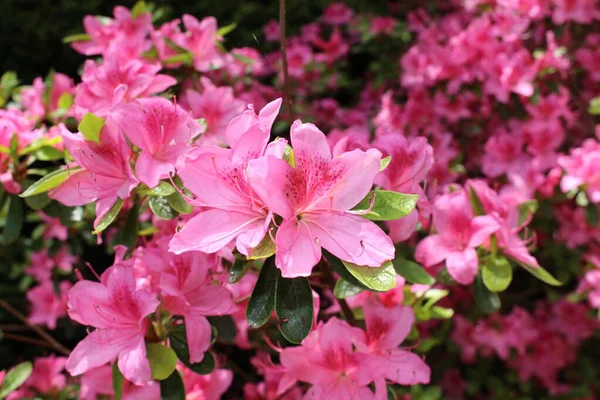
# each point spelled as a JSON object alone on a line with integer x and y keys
{"x": 150, "y": 170}
{"x": 351, "y": 238}
{"x": 83, "y": 297}
{"x": 268, "y": 113}
{"x": 210, "y": 300}
{"x": 308, "y": 141}
{"x": 389, "y": 325}
{"x": 211, "y": 230}
{"x": 268, "y": 177}
{"x": 77, "y": 190}
{"x": 406, "y": 368}
{"x": 481, "y": 228}
{"x": 133, "y": 362}
{"x": 462, "y": 265}
{"x": 297, "y": 250}
{"x": 432, "y": 250}
{"x": 403, "y": 228}
{"x": 198, "y": 333}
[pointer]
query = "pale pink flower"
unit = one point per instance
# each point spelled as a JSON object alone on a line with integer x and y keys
{"x": 458, "y": 235}
{"x": 206, "y": 387}
{"x": 217, "y": 177}
{"x": 314, "y": 198}
{"x": 271, "y": 30}
{"x": 200, "y": 39}
{"x": 46, "y": 304}
{"x": 582, "y": 168}
{"x": 118, "y": 312}
{"x": 105, "y": 175}
{"x": 96, "y": 382}
{"x": 41, "y": 265}
{"x": 54, "y": 228}
{"x": 114, "y": 81}
{"x": 47, "y": 376}
{"x": 161, "y": 130}
{"x": 590, "y": 285}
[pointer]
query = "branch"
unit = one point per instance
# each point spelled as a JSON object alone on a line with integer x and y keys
{"x": 49, "y": 339}
{"x": 286, "y": 81}
{"x": 27, "y": 339}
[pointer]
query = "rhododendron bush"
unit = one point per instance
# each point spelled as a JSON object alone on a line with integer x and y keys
{"x": 398, "y": 206}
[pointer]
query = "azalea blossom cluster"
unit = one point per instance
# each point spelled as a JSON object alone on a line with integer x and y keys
{"x": 425, "y": 226}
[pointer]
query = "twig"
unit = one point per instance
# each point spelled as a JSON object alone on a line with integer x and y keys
{"x": 57, "y": 346}
{"x": 284, "y": 63}
{"x": 348, "y": 314}
{"x": 14, "y": 328}
{"x": 27, "y": 339}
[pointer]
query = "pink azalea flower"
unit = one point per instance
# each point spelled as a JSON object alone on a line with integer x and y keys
{"x": 189, "y": 291}
{"x": 218, "y": 106}
{"x": 217, "y": 177}
{"x": 113, "y": 81}
{"x": 314, "y": 199}
{"x": 579, "y": 11}
{"x": 117, "y": 310}
{"x": 387, "y": 327}
{"x": 105, "y": 175}
{"x": 162, "y": 130}
{"x": 589, "y": 56}
{"x": 200, "y": 39}
{"x": 459, "y": 233}
{"x": 332, "y": 49}
{"x": 590, "y": 285}
{"x": 327, "y": 360}
{"x": 41, "y": 265}
{"x": 271, "y": 30}
{"x": 206, "y": 387}
{"x": 98, "y": 381}
{"x": 581, "y": 168}
{"x": 47, "y": 374}
{"x": 382, "y": 25}
{"x": 46, "y": 305}
{"x": 337, "y": 13}
{"x": 54, "y": 228}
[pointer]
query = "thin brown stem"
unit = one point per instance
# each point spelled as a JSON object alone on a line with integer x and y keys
{"x": 27, "y": 339}
{"x": 346, "y": 310}
{"x": 14, "y": 328}
{"x": 49, "y": 339}
{"x": 284, "y": 63}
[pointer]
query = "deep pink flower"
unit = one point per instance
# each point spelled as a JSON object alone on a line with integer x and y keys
{"x": 117, "y": 310}
{"x": 590, "y": 285}
{"x": 162, "y": 130}
{"x": 217, "y": 177}
{"x": 337, "y": 14}
{"x": 314, "y": 199}
{"x": 459, "y": 233}
{"x": 582, "y": 167}
{"x": 206, "y": 387}
{"x": 46, "y": 304}
{"x": 47, "y": 375}
{"x": 579, "y": 11}
{"x": 105, "y": 175}
{"x": 382, "y": 25}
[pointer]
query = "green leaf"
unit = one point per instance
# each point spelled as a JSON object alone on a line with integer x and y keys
{"x": 48, "y": 153}
{"x": 594, "y": 108}
{"x": 78, "y": 37}
{"x": 476, "y": 202}
{"x": 224, "y": 30}
{"x": 185, "y": 58}
{"x": 49, "y": 181}
{"x": 388, "y": 205}
{"x": 288, "y": 155}
{"x": 178, "y": 203}
{"x": 161, "y": 208}
{"x": 117, "y": 381}
{"x": 438, "y": 312}
{"x": 238, "y": 270}
{"x": 265, "y": 249}
{"x": 383, "y": 164}
{"x": 179, "y": 344}
{"x": 40, "y": 143}
{"x": 65, "y": 101}
{"x": 294, "y": 307}
{"x": 14, "y": 220}
{"x": 526, "y": 210}
{"x": 91, "y": 126}
{"x": 380, "y": 279}
{"x": 164, "y": 188}
{"x": 341, "y": 270}
{"x": 262, "y": 301}
{"x": 15, "y": 378}
{"x": 486, "y": 301}
{"x": 542, "y": 275}
{"x": 38, "y": 202}
{"x": 138, "y": 9}
{"x": 225, "y": 325}
{"x": 344, "y": 289}
{"x": 172, "y": 388}
{"x": 497, "y": 274}
{"x": 163, "y": 360}
{"x": 591, "y": 215}
{"x": 130, "y": 231}
{"x": 412, "y": 272}
{"x": 109, "y": 217}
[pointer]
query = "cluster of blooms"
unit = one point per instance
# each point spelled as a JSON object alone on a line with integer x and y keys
{"x": 461, "y": 174}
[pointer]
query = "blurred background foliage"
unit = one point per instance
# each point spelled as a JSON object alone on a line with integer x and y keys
{"x": 31, "y": 31}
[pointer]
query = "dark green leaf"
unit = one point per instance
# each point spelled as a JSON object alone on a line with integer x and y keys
{"x": 14, "y": 220}
{"x": 225, "y": 326}
{"x": 109, "y": 217}
{"x": 388, "y": 205}
{"x": 591, "y": 215}
{"x": 265, "y": 249}
{"x": 117, "y": 381}
{"x": 38, "y": 202}
{"x": 179, "y": 344}
{"x": 341, "y": 270}
{"x": 344, "y": 289}
{"x": 262, "y": 301}
{"x": 497, "y": 274}
{"x": 49, "y": 181}
{"x": 294, "y": 307}
{"x": 486, "y": 301}
{"x": 412, "y": 272}
{"x": 91, "y": 126}
{"x": 476, "y": 202}
{"x": 161, "y": 208}
{"x": 238, "y": 270}
{"x": 15, "y": 378}
{"x": 130, "y": 231}
{"x": 172, "y": 388}
{"x": 178, "y": 203}
{"x": 162, "y": 359}
{"x": 542, "y": 275}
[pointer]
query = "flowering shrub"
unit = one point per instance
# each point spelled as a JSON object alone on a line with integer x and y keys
{"x": 400, "y": 206}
